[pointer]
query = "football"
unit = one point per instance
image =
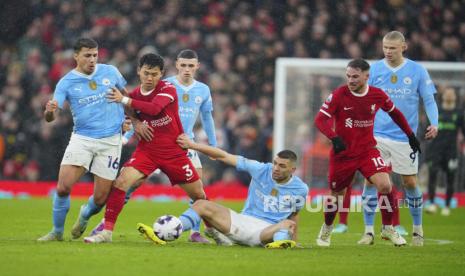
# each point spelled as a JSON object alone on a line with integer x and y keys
{"x": 167, "y": 227}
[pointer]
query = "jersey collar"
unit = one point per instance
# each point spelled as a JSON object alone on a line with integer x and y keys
{"x": 283, "y": 184}
{"x": 76, "y": 72}
{"x": 395, "y": 69}
{"x": 361, "y": 95}
{"x": 183, "y": 87}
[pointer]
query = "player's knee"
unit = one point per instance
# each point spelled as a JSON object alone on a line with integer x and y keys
{"x": 384, "y": 188}
{"x": 410, "y": 182}
{"x": 288, "y": 224}
{"x": 122, "y": 183}
{"x": 63, "y": 189}
{"x": 201, "y": 207}
{"x": 100, "y": 198}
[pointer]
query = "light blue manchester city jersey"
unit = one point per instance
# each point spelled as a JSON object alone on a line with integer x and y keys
{"x": 93, "y": 115}
{"x": 405, "y": 85}
{"x": 268, "y": 200}
{"x": 195, "y": 99}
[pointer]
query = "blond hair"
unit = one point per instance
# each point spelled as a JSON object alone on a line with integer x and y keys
{"x": 394, "y": 35}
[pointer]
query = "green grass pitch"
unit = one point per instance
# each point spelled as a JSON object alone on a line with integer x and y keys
{"x": 23, "y": 221}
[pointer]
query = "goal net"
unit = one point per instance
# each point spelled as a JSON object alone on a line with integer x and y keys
{"x": 301, "y": 85}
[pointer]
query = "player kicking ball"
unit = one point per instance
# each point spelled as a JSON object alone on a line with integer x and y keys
{"x": 352, "y": 109}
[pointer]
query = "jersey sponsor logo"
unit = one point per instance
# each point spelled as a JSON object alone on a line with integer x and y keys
{"x": 161, "y": 122}
{"x": 407, "y": 80}
{"x": 93, "y": 99}
{"x": 105, "y": 81}
{"x": 397, "y": 92}
{"x": 349, "y": 122}
{"x": 348, "y": 108}
{"x": 198, "y": 100}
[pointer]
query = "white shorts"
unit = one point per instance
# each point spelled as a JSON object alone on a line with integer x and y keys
{"x": 194, "y": 157}
{"x": 99, "y": 156}
{"x": 397, "y": 154}
{"x": 246, "y": 230}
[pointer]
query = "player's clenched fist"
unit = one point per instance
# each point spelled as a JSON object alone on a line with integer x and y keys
{"x": 51, "y": 106}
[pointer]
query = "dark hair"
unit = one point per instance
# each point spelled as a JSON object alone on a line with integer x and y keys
{"x": 188, "y": 53}
{"x": 360, "y": 64}
{"x": 152, "y": 61}
{"x": 288, "y": 154}
{"x": 84, "y": 42}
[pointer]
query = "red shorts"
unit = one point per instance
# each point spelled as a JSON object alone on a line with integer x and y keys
{"x": 179, "y": 168}
{"x": 342, "y": 171}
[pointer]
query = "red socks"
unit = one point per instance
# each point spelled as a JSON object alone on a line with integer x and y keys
{"x": 387, "y": 206}
{"x": 346, "y": 206}
{"x": 115, "y": 204}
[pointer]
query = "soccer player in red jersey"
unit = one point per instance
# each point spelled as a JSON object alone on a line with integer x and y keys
{"x": 156, "y": 104}
{"x": 352, "y": 108}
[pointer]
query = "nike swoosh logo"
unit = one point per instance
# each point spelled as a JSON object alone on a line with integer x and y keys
{"x": 347, "y": 108}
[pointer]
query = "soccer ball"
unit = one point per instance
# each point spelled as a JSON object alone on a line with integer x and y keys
{"x": 167, "y": 228}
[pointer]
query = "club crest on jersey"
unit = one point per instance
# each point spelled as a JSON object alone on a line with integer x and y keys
{"x": 373, "y": 108}
{"x": 93, "y": 85}
{"x": 106, "y": 81}
{"x": 407, "y": 80}
{"x": 198, "y": 99}
{"x": 185, "y": 98}
{"x": 394, "y": 78}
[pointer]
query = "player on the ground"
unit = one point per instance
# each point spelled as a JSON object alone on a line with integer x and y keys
{"x": 352, "y": 109}
{"x": 155, "y": 102}
{"x": 194, "y": 99}
{"x": 95, "y": 143}
{"x": 405, "y": 81}
{"x": 270, "y": 214}
{"x": 442, "y": 152}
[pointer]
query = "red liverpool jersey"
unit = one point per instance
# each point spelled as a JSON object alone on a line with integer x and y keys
{"x": 159, "y": 110}
{"x": 354, "y": 116}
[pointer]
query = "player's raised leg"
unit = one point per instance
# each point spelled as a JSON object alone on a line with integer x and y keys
{"x": 68, "y": 175}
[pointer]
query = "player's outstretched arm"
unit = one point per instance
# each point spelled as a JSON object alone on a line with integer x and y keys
{"x": 50, "y": 109}
{"x": 213, "y": 152}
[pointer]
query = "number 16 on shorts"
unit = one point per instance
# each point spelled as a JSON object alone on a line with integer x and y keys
{"x": 113, "y": 163}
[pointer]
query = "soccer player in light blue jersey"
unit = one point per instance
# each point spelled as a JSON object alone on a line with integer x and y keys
{"x": 95, "y": 144}
{"x": 269, "y": 217}
{"x": 194, "y": 100}
{"x": 406, "y": 82}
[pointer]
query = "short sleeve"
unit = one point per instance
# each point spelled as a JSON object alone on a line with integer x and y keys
{"x": 120, "y": 80}
{"x": 60, "y": 93}
{"x": 254, "y": 168}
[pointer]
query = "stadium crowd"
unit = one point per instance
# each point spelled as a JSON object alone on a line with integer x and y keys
{"x": 237, "y": 42}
